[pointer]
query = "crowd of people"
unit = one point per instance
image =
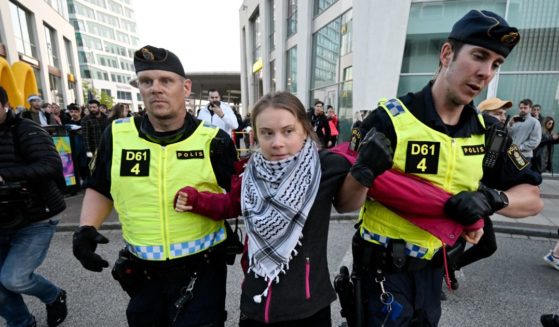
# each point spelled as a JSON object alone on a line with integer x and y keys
{"x": 435, "y": 166}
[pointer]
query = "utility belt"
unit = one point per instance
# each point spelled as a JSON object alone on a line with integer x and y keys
{"x": 392, "y": 258}
{"x": 132, "y": 272}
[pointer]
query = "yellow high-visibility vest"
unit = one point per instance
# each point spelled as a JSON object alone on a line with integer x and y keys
{"x": 453, "y": 164}
{"x": 145, "y": 177}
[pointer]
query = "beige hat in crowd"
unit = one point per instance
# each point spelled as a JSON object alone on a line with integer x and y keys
{"x": 494, "y": 104}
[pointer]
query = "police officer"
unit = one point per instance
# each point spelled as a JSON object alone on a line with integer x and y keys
{"x": 174, "y": 265}
{"x": 438, "y": 135}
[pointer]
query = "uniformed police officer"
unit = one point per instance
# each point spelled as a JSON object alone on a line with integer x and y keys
{"x": 438, "y": 135}
{"x": 174, "y": 265}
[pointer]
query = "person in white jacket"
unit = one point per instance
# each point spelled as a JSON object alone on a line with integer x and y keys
{"x": 218, "y": 113}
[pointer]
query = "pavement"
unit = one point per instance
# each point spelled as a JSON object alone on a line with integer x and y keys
{"x": 545, "y": 224}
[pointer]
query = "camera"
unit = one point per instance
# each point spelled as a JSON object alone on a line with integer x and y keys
{"x": 517, "y": 119}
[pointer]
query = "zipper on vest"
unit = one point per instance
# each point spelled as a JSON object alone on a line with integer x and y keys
{"x": 451, "y": 164}
{"x": 162, "y": 197}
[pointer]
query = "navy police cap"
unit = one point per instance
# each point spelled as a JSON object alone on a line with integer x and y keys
{"x": 152, "y": 58}
{"x": 486, "y": 29}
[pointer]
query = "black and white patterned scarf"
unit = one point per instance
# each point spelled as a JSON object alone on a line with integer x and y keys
{"x": 276, "y": 198}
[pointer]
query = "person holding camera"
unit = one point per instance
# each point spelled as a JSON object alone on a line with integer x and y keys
{"x": 30, "y": 198}
{"x": 218, "y": 113}
{"x": 174, "y": 265}
{"x": 525, "y": 130}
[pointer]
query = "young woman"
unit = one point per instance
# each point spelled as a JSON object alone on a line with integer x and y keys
{"x": 285, "y": 196}
{"x": 119, "y": 110}
{"x": 544, "y": 152}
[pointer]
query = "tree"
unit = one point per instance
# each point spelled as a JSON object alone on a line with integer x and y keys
{"x": 106, "y": 99}
{"x": 90, "y": 93}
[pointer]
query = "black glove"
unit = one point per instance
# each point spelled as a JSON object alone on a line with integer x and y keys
{"x": 84, "y": 244}
{"x": 467, "y": 207}
{"x": 374, "y": 158}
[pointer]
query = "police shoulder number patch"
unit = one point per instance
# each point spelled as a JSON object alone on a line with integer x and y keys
{"x": 516, "y": 157}
{"x": 134, "y": 163}
{"x": 423, "y": 157}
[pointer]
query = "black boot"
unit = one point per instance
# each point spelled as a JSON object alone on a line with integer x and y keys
{"x": 550, "y": 320}
{"x": 57, "y": 310}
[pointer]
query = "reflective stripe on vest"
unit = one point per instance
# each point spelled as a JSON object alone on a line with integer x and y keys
{"x": 411, "y": 249}
{"x": 449, "y": 163}
{"x": 144, "y": 179}
{"x": 179, "y": 249}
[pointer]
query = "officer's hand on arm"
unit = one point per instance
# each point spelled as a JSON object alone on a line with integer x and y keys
{"x": 84, "y": 244}
{"x": 374, "y": 157}
{"x": 467, "y": 207}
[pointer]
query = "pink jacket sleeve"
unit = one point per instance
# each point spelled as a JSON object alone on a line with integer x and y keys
{"x": 217, "y": 206}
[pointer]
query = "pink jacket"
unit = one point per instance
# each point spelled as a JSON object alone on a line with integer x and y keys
{"x": 414, "y": 199}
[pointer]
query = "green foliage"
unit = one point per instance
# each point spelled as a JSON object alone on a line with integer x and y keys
{"x": 102, "y": 97}
{"x": 106, "y": 99}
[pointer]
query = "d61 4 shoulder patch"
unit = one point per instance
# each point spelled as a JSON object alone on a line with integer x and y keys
{"x": 423, "y": 157}
{"x": 134, "y": 163}
{"x": 516, "y": 157}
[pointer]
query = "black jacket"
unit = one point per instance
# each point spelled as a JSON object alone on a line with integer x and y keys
{"x": 28, "y": 156}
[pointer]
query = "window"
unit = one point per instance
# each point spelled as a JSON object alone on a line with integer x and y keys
{"x": 108, "y": 19}
{"x": 123, "y": 95}
{"x": 256, "y": 36}
{"x": 23, "y": 28}
{"x": 52, "y": 49}
{"x": 107, "y": 92}
{"x": 346, "y": 30}
{"x": 272, "y": 20}
{"x": 291, "y": 17}
{"x": 100, "y": 3}
{"x": 322, "y": 5}
{"x": 326, "y": 54}
{"x": 115, "y": 7}
{"x": 273, "y": 76}
{"x": 69, "y": 56}
{"x": 291, "y": 70}
{"x": 84, "y": 10}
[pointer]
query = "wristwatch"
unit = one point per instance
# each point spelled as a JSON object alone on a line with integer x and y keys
{"x": 504, "y": 198}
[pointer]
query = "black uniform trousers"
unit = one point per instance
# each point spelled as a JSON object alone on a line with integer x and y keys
{"x": 153, "y": 303}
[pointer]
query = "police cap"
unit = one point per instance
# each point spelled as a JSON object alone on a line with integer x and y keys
{"x": 486, "y": 29}
{"x": 152, "y": 58}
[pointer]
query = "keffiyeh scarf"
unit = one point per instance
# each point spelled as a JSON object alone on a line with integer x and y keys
{"x": 276, "y": 198}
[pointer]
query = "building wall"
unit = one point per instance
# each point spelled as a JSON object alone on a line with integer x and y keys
{"x": 42, "y": 13}
{"x": 88, "y": 15}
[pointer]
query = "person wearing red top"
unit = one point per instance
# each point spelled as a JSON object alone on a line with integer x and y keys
{"x": 334, "y": 123}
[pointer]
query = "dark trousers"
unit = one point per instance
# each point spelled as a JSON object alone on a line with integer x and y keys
{"x": 486, "y": 246}
{"x": 415, "y": 284}
{"x": 153, "y": 303}
{"x": 320, "y": 319}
